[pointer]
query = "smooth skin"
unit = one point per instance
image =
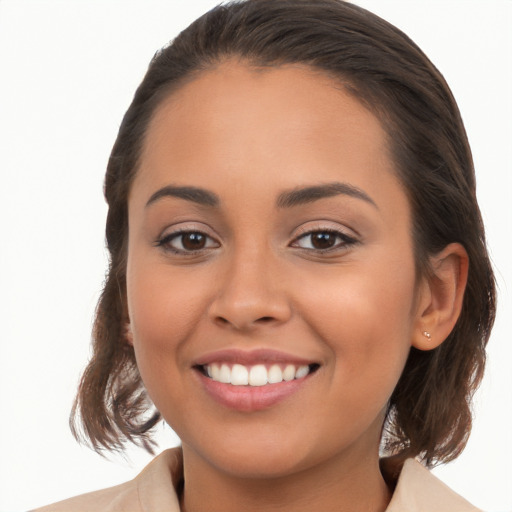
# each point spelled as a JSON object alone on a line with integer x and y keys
{"x": 330, "y": 279}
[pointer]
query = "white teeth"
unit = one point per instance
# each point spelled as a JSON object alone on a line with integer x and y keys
{"x": 257, "y": 375}
{"x": 225, "y": 374}
{"x": 213, "y": 371}
{"x": 289, "y": 372}
{"x": 239, "y": 375}
{"x": 275, "y": 374}
{"x": 302, "y": 371}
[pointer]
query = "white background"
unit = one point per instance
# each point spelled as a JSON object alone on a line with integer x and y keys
{"x": 68, "y": 70}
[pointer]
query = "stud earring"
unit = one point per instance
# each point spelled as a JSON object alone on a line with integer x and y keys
{"x": 427, "y": 335}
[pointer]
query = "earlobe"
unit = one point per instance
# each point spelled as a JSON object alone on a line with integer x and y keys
{"x": 441, "y": 298}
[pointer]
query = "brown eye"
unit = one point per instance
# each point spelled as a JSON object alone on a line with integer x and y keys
{"x": 323, "y": 240}
{"x": 193, "y": 241}
{"x": 183, "y": 242}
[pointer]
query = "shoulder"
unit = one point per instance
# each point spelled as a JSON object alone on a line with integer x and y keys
{"x": 418, "y": 490}
{"x": 153, "y": 489}
{"x": 112, "y": 499}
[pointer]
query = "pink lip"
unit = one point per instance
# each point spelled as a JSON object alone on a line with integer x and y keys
{"x": 250, "y": 398}
{"x": 258, "y": 356}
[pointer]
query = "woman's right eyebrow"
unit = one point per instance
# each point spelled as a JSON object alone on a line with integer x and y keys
{"x": 195, "y": 194}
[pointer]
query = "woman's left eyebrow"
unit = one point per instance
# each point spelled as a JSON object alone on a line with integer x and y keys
{"x": 303, "y": 195}
{"x": 195, "y": 194}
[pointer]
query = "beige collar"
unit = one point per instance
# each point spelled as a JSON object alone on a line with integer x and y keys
{"x": 417, "y": 490}
{"x": 157, "y": 487}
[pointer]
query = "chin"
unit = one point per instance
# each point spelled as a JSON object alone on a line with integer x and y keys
{"x": 257, "y": 458}
{"x": 262, "y": 465}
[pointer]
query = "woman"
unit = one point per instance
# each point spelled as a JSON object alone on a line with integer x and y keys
{"x": 298, "y": 270}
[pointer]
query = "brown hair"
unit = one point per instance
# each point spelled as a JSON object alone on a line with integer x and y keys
{"x": 429, "y": 412}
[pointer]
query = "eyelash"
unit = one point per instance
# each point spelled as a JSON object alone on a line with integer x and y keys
{"x": 346, "y": 240}
{"x": 165, "y": 242}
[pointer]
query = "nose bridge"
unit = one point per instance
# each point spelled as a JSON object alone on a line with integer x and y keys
{"x": 250, "y": 292}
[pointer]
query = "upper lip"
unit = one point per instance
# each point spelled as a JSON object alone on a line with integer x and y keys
{"x": 250, "y": 357}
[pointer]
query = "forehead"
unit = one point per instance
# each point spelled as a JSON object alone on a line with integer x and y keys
{"x": 263, "y": 128}
{"x": 292, "y": 101}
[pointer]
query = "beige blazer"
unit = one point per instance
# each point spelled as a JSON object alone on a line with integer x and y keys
{"x": 153, "y": 490}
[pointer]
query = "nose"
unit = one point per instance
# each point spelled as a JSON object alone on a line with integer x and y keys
{"x": 251, "y": 293}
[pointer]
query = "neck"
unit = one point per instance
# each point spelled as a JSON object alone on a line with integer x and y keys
{"x": 342, "y": 483}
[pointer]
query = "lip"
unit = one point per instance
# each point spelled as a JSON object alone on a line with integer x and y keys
{"x": 251, "y": 357}
{"x": 251, "y": 398}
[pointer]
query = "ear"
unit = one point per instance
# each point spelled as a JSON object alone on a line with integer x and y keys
{"x": 440, "y": 297}
{"x": 127, "y": 333}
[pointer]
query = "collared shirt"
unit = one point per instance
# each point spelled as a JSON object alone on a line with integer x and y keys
{"x": 154, "y": 490}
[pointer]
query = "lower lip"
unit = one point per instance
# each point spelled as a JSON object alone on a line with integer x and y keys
{"x": 251, "y": 398}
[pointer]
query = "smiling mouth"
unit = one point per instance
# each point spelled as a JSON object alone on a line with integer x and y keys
{"x": 255, "y": 375}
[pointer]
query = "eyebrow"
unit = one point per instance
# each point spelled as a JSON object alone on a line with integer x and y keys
{"x": 194, "y": 194}
{"x": 287, "y": 199}
{"x": 306, "y": 195}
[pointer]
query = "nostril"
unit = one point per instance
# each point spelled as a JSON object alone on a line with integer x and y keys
{"x": 241, "y": 322}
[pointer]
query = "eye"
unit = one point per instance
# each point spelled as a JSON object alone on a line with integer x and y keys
{"x": 187, "y": 242}
{"x": 323, "y": 240}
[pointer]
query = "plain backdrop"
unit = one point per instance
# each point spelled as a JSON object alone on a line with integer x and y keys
{"x": 68, "y": 70}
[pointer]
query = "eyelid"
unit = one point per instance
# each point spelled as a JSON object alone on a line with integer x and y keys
{"x": 325, "y": 225}
{"x": 347, "y": 240}
{"x": 185, "y": 226}
{"x": 172, "y": 232}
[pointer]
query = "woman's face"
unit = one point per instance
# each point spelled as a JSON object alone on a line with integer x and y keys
{"x": 269, "y": 239}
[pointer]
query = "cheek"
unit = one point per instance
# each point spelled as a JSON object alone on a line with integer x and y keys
{"x": 164, "y": 310}
{"x": 159, "y": 299}
{"x": 365, "y": 318}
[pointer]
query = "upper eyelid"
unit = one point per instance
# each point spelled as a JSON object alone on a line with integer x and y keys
{"x": 178, "y": 232}
{"x": 333, "y": 227}
{"x": 187, "y": 227}
{"x": 320, "y": 230}
{"x": 170, "y": 233}
{"x": 344, "y": 236}
{"x": 165, "y": 242}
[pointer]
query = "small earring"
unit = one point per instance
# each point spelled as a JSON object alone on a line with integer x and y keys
{"x": 427, "y": 335}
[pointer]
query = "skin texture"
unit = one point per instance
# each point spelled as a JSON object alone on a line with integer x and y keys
{"x": 247, "y": 135}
